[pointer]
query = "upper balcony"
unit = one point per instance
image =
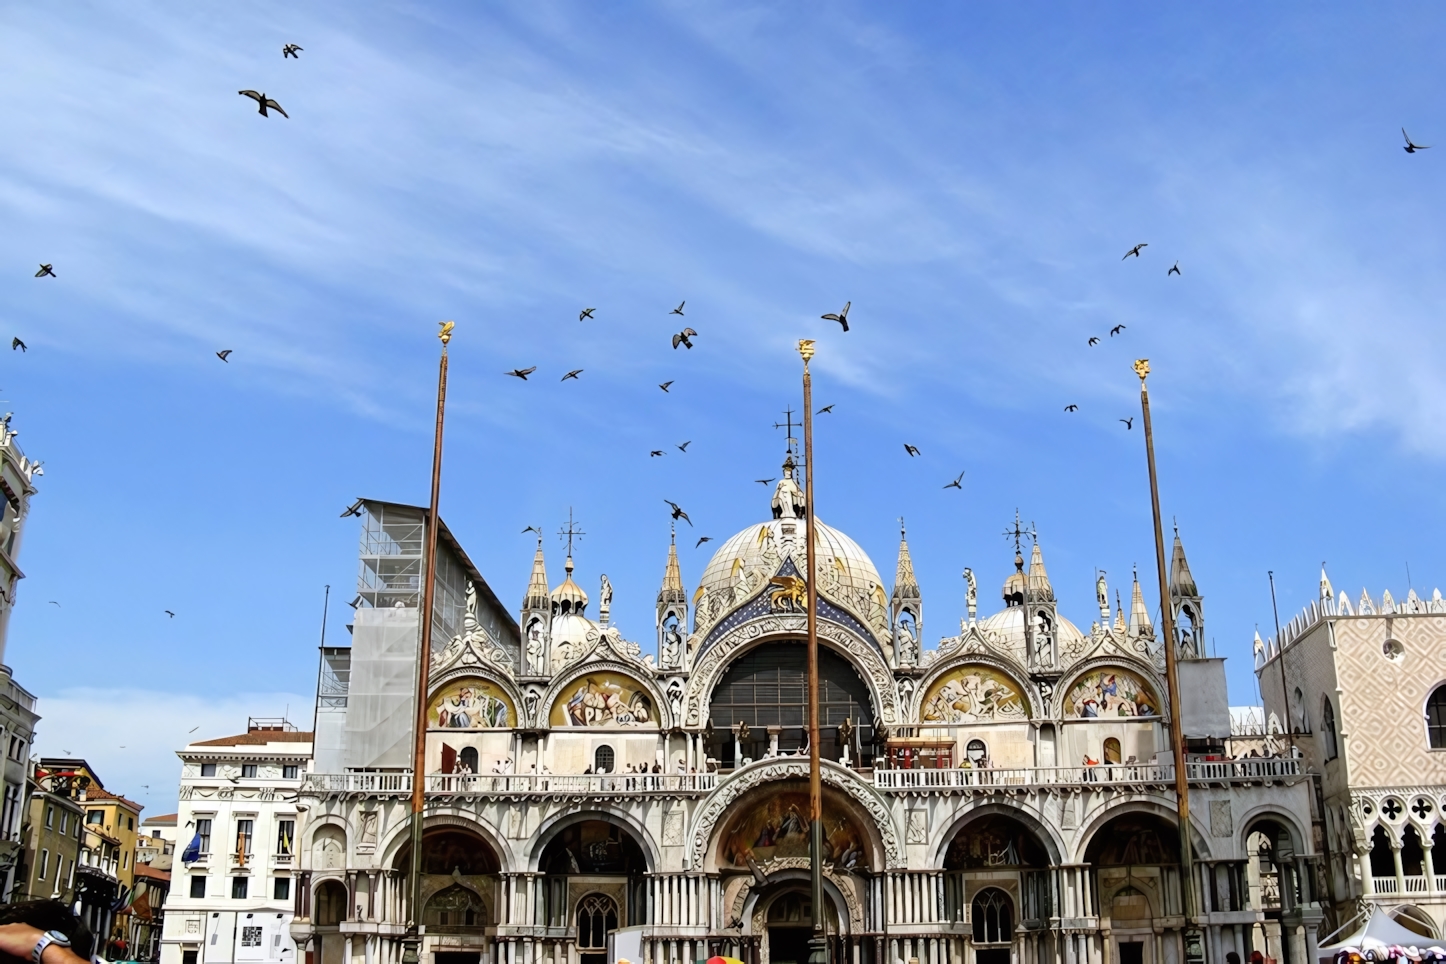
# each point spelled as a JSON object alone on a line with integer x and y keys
{"x": 514, "y": 784}
{"x": 988, "y": 779}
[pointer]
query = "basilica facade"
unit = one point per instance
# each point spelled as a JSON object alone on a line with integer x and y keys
{"x": 1002, "y": 797}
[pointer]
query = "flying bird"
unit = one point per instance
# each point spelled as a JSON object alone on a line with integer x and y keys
{"x": 678, "y": 513}
{"x": 1116, "y": 330}
{"x": 1071, "y": 408}
{"x": 763, "y": 481}
{"x": 54, "y": 603}
{"x": 1412, "y": 147}
{"x": 521, "y": 373}
{"x": 842, "y": 317}
{"x": 531, "y": 529}
{"x": 572, "y": 374}
{"x": 826, "y": 409}
{"x": 913, "y": 451}
{"x": 1136, "y": 250}
{"x": 684, "y": 446}
{"x": 956, "y": 484}
{"x": 678, "y": 310}
{"x": 703, "y": 540}
{"x": 681, "y": 338}
{"x": 1094, "y": 341}
{"x": 664, "y": 385}
{"x": 290, "y": 50}
{"x": 1129, "y": 422}
{"x": 1174, "y": 269}
{"x": 264, "y": 102}
{"x": 45, "y": 269}
{"x": 655, "y": 453}
{"x": 222, "y": 355}
{"x": 17, "y": 343}
{"x": 585, "y": 313}
{"x": 191, "y": 730}
{"x": 353, "y": 509}
{"x": 169, "y": 613}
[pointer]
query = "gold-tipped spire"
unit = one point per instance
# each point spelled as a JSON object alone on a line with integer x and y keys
{"x": 1039, "y": 586}
{"x": 1119, "y": 613}
{"x": 672, "y": 575}
{"x": 1182, "y": 583}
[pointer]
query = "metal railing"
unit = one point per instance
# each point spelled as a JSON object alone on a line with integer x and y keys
{"x": 1224, "y": 771}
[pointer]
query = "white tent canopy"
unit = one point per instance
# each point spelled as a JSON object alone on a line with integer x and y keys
{"x": 1379, "y": 931}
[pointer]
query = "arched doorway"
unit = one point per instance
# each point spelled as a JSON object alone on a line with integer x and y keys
{"x": 590, "y": 853}
{"x": 1134, "y": 855}
{"x": 597, "y": 917}
{"x": 992, "y": 913}
{"x": 459, "y": 891}
{"x": 998, "y": 851}
{"x": 788, "y": 923}
{"x": 330, "y": 903}
{"x": 768, "y": 687}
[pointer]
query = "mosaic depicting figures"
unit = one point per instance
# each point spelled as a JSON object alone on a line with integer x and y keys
{"x": 1111, "y": 692}
{"x": 972, "y": 694}
{"x": 604, "y": 699}
{"x": 471, "y": 704}
{"x": 778, "y": 827}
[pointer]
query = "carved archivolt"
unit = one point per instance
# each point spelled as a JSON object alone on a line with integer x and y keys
{"x": 631, "y": 670}
{"x": 862, "y": 654}
{"x": 846, "y": 884}
{"x": 705, "y": 820}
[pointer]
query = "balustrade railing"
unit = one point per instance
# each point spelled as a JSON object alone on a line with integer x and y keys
{"x": 1224, "y": 771}
{"x": 571, "y": 782}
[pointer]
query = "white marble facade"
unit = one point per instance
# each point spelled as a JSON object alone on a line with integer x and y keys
{"x": 578, "y": 789}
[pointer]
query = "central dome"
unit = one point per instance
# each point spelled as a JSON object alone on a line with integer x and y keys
{"x": 764, "y": 547}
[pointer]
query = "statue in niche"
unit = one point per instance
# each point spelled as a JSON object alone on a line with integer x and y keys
{"x": 535, "y": 648}
{"x": 470, "y": 625}
{"x": 530, "y": 698}
{"x": 675, "y": 700}
{"x": 672, "y": 641}
{"x": 971, "y": 595}
{"x": 906, "y": 693}
{"x": 1102, "y": 594}
{"x": 1046, "y": 696}
{"x": 907, "y": 645}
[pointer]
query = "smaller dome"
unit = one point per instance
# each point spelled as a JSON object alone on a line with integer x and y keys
{"x": 568, "y": 597}
{"x": 571, "y": 629}
{"x": 1008, "y": 625}
{"x": 1015, "y": 584}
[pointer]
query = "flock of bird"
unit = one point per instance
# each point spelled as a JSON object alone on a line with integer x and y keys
{"x": 684, "y": 338}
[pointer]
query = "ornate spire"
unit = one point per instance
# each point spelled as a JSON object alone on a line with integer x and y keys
{"x": 905, "y": 586}
{"x": 1119, "y": 613}
{"x": 1326, "y": 591}
{"x": 536, "y": 597}
{"x": 1039, "y": 587}
{"x": 1139, "y": 614}
{"x": 1181, "y": 582}
{"x": 672, "y": 590}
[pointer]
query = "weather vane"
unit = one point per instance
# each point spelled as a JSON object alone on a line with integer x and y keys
{"x": 571, "y": 532}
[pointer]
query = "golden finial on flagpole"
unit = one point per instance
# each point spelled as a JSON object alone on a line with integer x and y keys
{"x": 446, "y": 333}
{"x": 805, "y": 348}
{"x": 1142, "y": 368}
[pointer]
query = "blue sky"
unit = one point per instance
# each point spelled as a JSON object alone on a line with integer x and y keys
{"x": 967, "y": 175}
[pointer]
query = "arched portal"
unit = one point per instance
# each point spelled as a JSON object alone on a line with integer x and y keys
{"x": 768, "y": 687}
{"x": 588, "y": 854}
{"x": 459, "y": 881}
{"x": 1136, "y": 862}
{"x": 999, "y": 852}
{"x": 787, "y": 914}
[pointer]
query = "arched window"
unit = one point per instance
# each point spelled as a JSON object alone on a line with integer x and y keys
{"x": 1301, "y": 723}
{"x": 596, "y": 915}
{"x": 976, "y": 751}
{"x": 1328, "y": 728}
{"x": 1112, "y": 750}
{"x": 1436, "y": 719}
{"x": 602, "y": 760}
{"x": 993, "y": 916}
{"x": 454, "y": 907}
{"x": 468, "y": 758}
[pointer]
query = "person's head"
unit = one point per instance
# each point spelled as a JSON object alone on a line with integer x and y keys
{"x": 1257, "y": 958}
{"x": 1232, "y": 958}
{"x": 48, "y": 915}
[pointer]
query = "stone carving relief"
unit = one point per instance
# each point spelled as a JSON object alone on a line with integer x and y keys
{"x": 367, "y": 839}
{"x": 673, "y": 828}
{"x": 1221, "y": 822}
{"x": 917, "y": 830}
{"x": 474, "y": 645}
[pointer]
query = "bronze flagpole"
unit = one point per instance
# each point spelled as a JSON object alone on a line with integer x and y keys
{"x": 411, "y": 943}
{"x": 818, "y": 942}
{"x": 1194, "y": 949}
